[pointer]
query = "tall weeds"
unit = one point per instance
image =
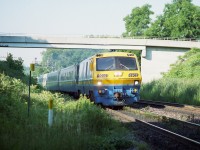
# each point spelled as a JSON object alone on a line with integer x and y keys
{"x": 77, "y": 124}
{"x": 185, "y": 91}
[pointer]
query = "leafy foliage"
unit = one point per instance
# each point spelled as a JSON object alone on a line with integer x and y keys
{"x": 181, "y": 19}
{"x": 138, "y": 21}
{"x": 15, "y": 69}
{"x": 187, "y": 66}
{"x": 9, "y": 89}
{"x": 54, "y": 59}
{"x": 74, "y": 121}
{"x": 12, "y": 68}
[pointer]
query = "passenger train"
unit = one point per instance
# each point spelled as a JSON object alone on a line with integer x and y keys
{"x": 109, "y": 79}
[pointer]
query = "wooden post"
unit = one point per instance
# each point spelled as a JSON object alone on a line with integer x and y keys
{"x": 50, "y": 115}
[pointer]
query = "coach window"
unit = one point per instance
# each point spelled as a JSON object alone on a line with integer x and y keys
{"x": 64, "y": 76}
{"x": 86, "y": 68}
{"x": 83, "y": 71}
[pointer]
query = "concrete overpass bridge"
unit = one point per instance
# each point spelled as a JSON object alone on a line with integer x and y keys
{"x": 157, "y": 55}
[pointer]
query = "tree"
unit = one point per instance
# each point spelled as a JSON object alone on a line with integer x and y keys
{"x": 54, "y": 59}
{"x": 16, "y": 65}
{"x": 14, "y": 69}
{"x": 138, "y": 21}
{"x": 181, "y": 19}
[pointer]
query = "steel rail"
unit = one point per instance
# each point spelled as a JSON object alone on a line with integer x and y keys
{"x": 159, "y": 103}
{"x": 182, "y": 139}
{"x": 186, "y": 123}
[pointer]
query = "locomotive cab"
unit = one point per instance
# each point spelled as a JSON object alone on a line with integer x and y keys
{"x": 116, "y": 79}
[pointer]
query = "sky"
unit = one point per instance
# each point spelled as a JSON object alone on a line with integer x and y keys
{"x": 66, "y": 17}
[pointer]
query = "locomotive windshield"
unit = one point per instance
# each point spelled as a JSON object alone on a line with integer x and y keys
{"x": 116, "y": 63}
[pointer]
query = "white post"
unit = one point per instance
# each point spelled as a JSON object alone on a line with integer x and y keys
{"x": 50, "y": 115}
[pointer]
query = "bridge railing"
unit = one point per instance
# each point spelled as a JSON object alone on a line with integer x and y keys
{"x": 144, "y": 37}
{"x": 103, "y": 36}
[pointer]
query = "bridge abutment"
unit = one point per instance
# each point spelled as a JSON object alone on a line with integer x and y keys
{"x": 158, "y": 60}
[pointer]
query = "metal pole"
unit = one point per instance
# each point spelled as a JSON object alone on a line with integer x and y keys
{"x": 32, "y": 68}
{"x": 29, "y": 96}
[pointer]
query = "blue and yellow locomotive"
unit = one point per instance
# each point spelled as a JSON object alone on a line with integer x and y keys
{"x": 110, "y": 79}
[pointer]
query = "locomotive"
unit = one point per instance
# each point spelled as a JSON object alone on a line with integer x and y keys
{"x": 108, "y": 79}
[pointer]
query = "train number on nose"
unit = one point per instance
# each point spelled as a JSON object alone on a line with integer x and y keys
{"x": 133, "y": 75}
{"x": 102, "y": 75}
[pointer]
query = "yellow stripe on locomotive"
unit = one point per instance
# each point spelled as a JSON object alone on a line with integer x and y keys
{"x": 116, "y": 75}
{"x": 115, "y": 78}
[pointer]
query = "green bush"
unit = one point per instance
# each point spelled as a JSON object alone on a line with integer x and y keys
{"x": 77, "y": 124}
{"x": 187, "y": 66}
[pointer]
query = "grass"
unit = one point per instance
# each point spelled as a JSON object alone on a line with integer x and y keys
{"x": 184, "y": 91}
{"x": 77, "y": 124}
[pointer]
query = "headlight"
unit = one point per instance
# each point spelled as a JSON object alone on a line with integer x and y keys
{"x": 136, "y": 82}
{"x": 99, "y": 83}
{"x": 102, "y": 91}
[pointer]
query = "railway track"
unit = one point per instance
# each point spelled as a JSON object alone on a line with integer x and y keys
{"x": 192, "y": 130}
{"x": 173, "y": 110}
{"x": 180, "y": 141}
{"x": 159, "y": 103}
